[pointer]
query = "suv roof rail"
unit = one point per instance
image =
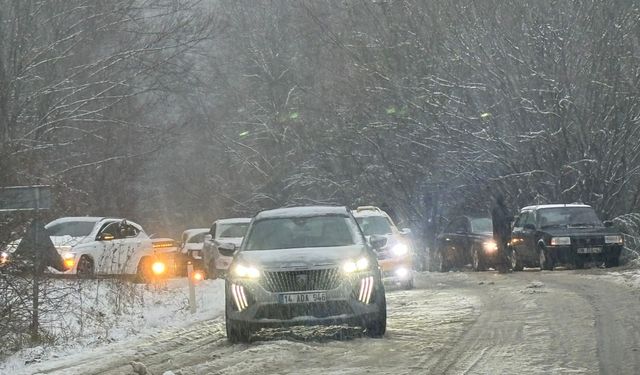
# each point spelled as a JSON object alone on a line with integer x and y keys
{"x": 368, "y": 208}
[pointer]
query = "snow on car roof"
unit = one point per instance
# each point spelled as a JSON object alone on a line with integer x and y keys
{"x": 87, "y": 219}
{"x": 304, "y": 211}
{"x": 233, "y": 220}
{"x": 193, "y": 231}
{"x": 537, "y": 207}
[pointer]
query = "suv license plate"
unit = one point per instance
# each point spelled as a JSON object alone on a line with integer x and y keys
{"x": 589, "y": 250}
{"x": 302, "y": 297}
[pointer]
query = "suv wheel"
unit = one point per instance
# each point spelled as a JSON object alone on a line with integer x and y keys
{"x": 478, "y": 262}
{"x": 236, "y": 331}
{"x": 516, "y": 264}
{"x": 546, "y": 263}
{"x": 378, "y": 326}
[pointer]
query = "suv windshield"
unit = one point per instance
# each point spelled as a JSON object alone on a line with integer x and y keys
{"x": 234, "y": 230}
{"x": 71, "y": 228}
{"x": 374, "y": 225}
{"x": 301, "y": 232}
{"x": 481, "y": 225}
{"x": 568, "y": 216}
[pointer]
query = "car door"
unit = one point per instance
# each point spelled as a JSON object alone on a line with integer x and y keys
{"x": 130, "y": 246}
{"x": 109, "y": 236}
{"x": 524, "y": 236}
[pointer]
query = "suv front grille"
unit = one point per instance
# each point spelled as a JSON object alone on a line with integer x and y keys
{"x": 297, "y": 281}
{"x": 587, "y": 242}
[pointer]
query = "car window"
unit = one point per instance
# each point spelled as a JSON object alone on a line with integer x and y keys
{"x": 198, "y": 238}
{"x": 568, "y": 216}
{"x": 128, "y": 231}
{"x": 301, "y": 232}
{"x": 233, "y": 230}
{"x": 112, "y": 229}
{"x": 374, "y": 225}
{"x": 481, "y": 225}
{"x": 71, "y": 228}
{"x": 527, "y": 217}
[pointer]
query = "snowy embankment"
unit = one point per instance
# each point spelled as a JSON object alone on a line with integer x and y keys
{"x": 99, "y": 312}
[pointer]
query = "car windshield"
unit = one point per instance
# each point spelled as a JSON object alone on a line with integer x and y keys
{"x": 374, "y": 225}
{"x": 71, "y": 228}
{"x": 568, "y": 216}
{"x": 232, "y": 230}
{"x": 198, "y": 238}
{"x": 301, "y": 232}
{"x": 481, "y": 225}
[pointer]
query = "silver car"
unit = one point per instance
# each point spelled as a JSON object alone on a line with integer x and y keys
{"x": 228, "y": 231}
{"x": 304, "y": 266}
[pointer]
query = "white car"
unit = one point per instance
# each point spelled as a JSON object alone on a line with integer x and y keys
{"x": 223, "y": 231}
{"x": 193, "y": 241}
{"x": 105, "y": 246}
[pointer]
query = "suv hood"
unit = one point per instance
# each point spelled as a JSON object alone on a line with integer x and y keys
{"x": 303, "y": 258}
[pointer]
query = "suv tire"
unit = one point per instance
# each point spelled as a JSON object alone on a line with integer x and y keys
{"x": 546, "y": 262}
{"x": 516, "y": 263}
{"x": 477, "y": 261}
{"x": 378, "y": 326}
{"x": 236, "y": 332}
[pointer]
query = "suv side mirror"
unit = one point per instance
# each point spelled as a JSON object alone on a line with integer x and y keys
{"x": 608, "y": 223}
{"x": 208, "y": 237}
{"x": 377, "y": 242}
{"x": 529, "y": 226}
{"x": 227, "y": 249}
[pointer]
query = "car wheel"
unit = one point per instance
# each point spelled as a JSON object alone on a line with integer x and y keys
{"x": 546, "y": 263}
{"x": 143, "y": 271}
{"x": 612, "y": 260}
{"x": 477, "y": 261}
{"x": 516, "y": 264}
{"x": 237, "y": 332}
{"x": 378, "y": 326}
{"x": 85, "y": 267}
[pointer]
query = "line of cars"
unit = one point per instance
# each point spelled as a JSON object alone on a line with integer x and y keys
{"x": 542, "y": 236}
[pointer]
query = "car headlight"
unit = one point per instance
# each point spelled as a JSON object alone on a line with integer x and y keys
{"x": 490, "y": 246}
{"x": 614, "y": 239}
{"x": 69, "y": 259}
{"x": 63, "y": 248}
{"x": 359, "y": 265}
{"x": 246, "y": 271}
{"x": 560, "y": 241}
{"x": 400, "y": 249}
{"x": 4, "y": 257}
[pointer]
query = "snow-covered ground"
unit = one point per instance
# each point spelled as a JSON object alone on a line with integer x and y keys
{"x": 100, "y": 312}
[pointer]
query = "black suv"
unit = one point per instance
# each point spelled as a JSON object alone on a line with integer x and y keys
{"x": 548, "y": 235}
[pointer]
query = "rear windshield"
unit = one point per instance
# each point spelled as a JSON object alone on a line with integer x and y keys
{"x": 301, "y": 232}
{"x": 568, "y": 216}
{"x": 71, "y": 228}
{"x": 374, "y": 225}
{"x": 198, "y": 238}
{"x": 234, "y": 230}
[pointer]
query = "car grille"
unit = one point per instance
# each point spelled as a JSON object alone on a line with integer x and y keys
{"x": 297, "y": 281}
{"x": 317, "y": 310}
{"x": 588, "y": 242}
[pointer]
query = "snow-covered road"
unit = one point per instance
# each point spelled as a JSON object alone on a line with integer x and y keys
{"x": 583, "y": 322}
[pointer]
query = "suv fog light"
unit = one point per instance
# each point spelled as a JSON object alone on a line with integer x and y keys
{"x": 239, "y": 297}
{"x": 614, "y": 239}
{"x": 4, "y": 257}
{"x": 366, "y": 289}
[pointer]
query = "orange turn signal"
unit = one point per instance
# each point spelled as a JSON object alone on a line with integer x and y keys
{"x": 158, "y": 268}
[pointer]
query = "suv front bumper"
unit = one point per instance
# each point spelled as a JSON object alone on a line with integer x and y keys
{"x": 344, "y": 304}
{"x": 566, "y": 254}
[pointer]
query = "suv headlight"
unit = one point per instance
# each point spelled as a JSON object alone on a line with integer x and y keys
{"x": 248, "y": 272}
{"x": 358, "y": 265}
{"x": 614, "y": 239}
{"x": 490, "y": 246}
{"x": 4, "y": 257}
{"x": 560, "y": 241}
{"x": 400, "y": 249}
